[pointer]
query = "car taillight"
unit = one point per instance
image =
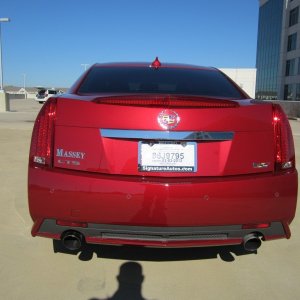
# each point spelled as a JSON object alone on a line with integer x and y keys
{"x": 283, "y": 138}
{"x": 168, "y": 101}
{"x": 43, "y": 133}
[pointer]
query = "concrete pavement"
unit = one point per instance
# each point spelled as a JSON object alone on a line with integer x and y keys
{"x": 29, "y": 269}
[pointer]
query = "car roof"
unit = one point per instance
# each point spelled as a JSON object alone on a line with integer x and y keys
{"x": 147, "y": 64}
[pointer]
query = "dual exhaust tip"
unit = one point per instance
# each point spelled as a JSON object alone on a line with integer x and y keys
{"x": 251, "y": 242}
{"x": 73, "y": 241}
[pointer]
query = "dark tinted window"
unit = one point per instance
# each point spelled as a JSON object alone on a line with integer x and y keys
{"x": 162, "y": 81}
{"x": 290, "y": 67}
{"x": 294, "y": 16}
{"x": 41, "y": 92}
{"x": 292, "y": 42}
{"x": 288, "y": 92}
{"x": 52, "y": 92}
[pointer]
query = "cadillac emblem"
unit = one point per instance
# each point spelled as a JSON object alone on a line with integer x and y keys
{"x": 168, "y": 119}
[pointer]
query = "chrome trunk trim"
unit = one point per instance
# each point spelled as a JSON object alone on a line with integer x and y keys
{"x": 168, "y": 135}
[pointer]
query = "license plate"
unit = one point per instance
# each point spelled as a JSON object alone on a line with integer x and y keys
{"x": 167, "y": 157}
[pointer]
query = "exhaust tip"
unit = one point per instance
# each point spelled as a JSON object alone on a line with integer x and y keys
{"x": 251, "y": 242}
{"x": 72, "y": 240}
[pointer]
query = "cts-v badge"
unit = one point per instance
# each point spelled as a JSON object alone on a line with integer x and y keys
{"x": 168, "y": 119}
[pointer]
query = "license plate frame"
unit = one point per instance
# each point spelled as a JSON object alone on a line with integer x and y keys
{"x": 167, "y": 157}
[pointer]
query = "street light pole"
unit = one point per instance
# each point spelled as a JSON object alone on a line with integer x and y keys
{"x": 24, "y": 82}
{"x": 24, "y": 85}
{"x": 1, "y": 59}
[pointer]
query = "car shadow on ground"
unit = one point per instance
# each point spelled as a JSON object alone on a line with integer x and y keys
{"x": 136, "y": 253}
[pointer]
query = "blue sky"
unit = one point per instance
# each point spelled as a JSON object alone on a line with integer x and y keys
{"x": 48, "y": 40}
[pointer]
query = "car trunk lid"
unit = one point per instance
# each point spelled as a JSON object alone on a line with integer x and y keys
{"x": 127, "y": 135}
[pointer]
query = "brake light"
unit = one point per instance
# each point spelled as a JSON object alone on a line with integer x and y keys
{"x": 42, "y": 136}
{"x": 156, "y": 63}
{"x": 167, "y": 101}
{"x": 283, "y": 140}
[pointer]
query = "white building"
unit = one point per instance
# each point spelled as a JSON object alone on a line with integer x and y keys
{"x": 245, "y": 78}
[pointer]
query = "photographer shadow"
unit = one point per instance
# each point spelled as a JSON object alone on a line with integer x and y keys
{"x": 130, "y": 280}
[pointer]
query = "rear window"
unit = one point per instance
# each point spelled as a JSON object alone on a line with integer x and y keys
{"x": 200, "y": 82}
{"x": 52, "y": 92}
{"x": 41, "y": 92}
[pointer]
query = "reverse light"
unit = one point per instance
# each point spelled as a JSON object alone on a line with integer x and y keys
{"x": 39, "y": 160}
{"x": 42, "y": 135}
{"x": 256, "y": 226}
{"x": 283, "y": 140}
{"x": 71, "y": 224}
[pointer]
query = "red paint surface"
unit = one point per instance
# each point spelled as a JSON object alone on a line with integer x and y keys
{"x": 105, "y": 186}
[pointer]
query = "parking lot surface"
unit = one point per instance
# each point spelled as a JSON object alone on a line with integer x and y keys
{"x": 29, "y": 268}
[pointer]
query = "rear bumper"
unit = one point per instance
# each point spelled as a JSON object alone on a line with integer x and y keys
{"x": 162, "y": 236}
{"x": 40, "y": 99}
{"x": 175, "y": 212}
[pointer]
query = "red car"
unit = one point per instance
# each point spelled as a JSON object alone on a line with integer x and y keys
{"x": 162, "y": 155}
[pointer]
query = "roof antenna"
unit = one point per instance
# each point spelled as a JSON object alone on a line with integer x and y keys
{"x": 156, "y": 63}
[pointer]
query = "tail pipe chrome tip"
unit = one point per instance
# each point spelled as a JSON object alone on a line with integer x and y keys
{"x": 72, "y": 240}
{"x": 251, "y": 242}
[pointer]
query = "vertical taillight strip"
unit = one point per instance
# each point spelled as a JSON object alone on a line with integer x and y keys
{"x": 283, "y": 140}
{"x": 43, "y": 134}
